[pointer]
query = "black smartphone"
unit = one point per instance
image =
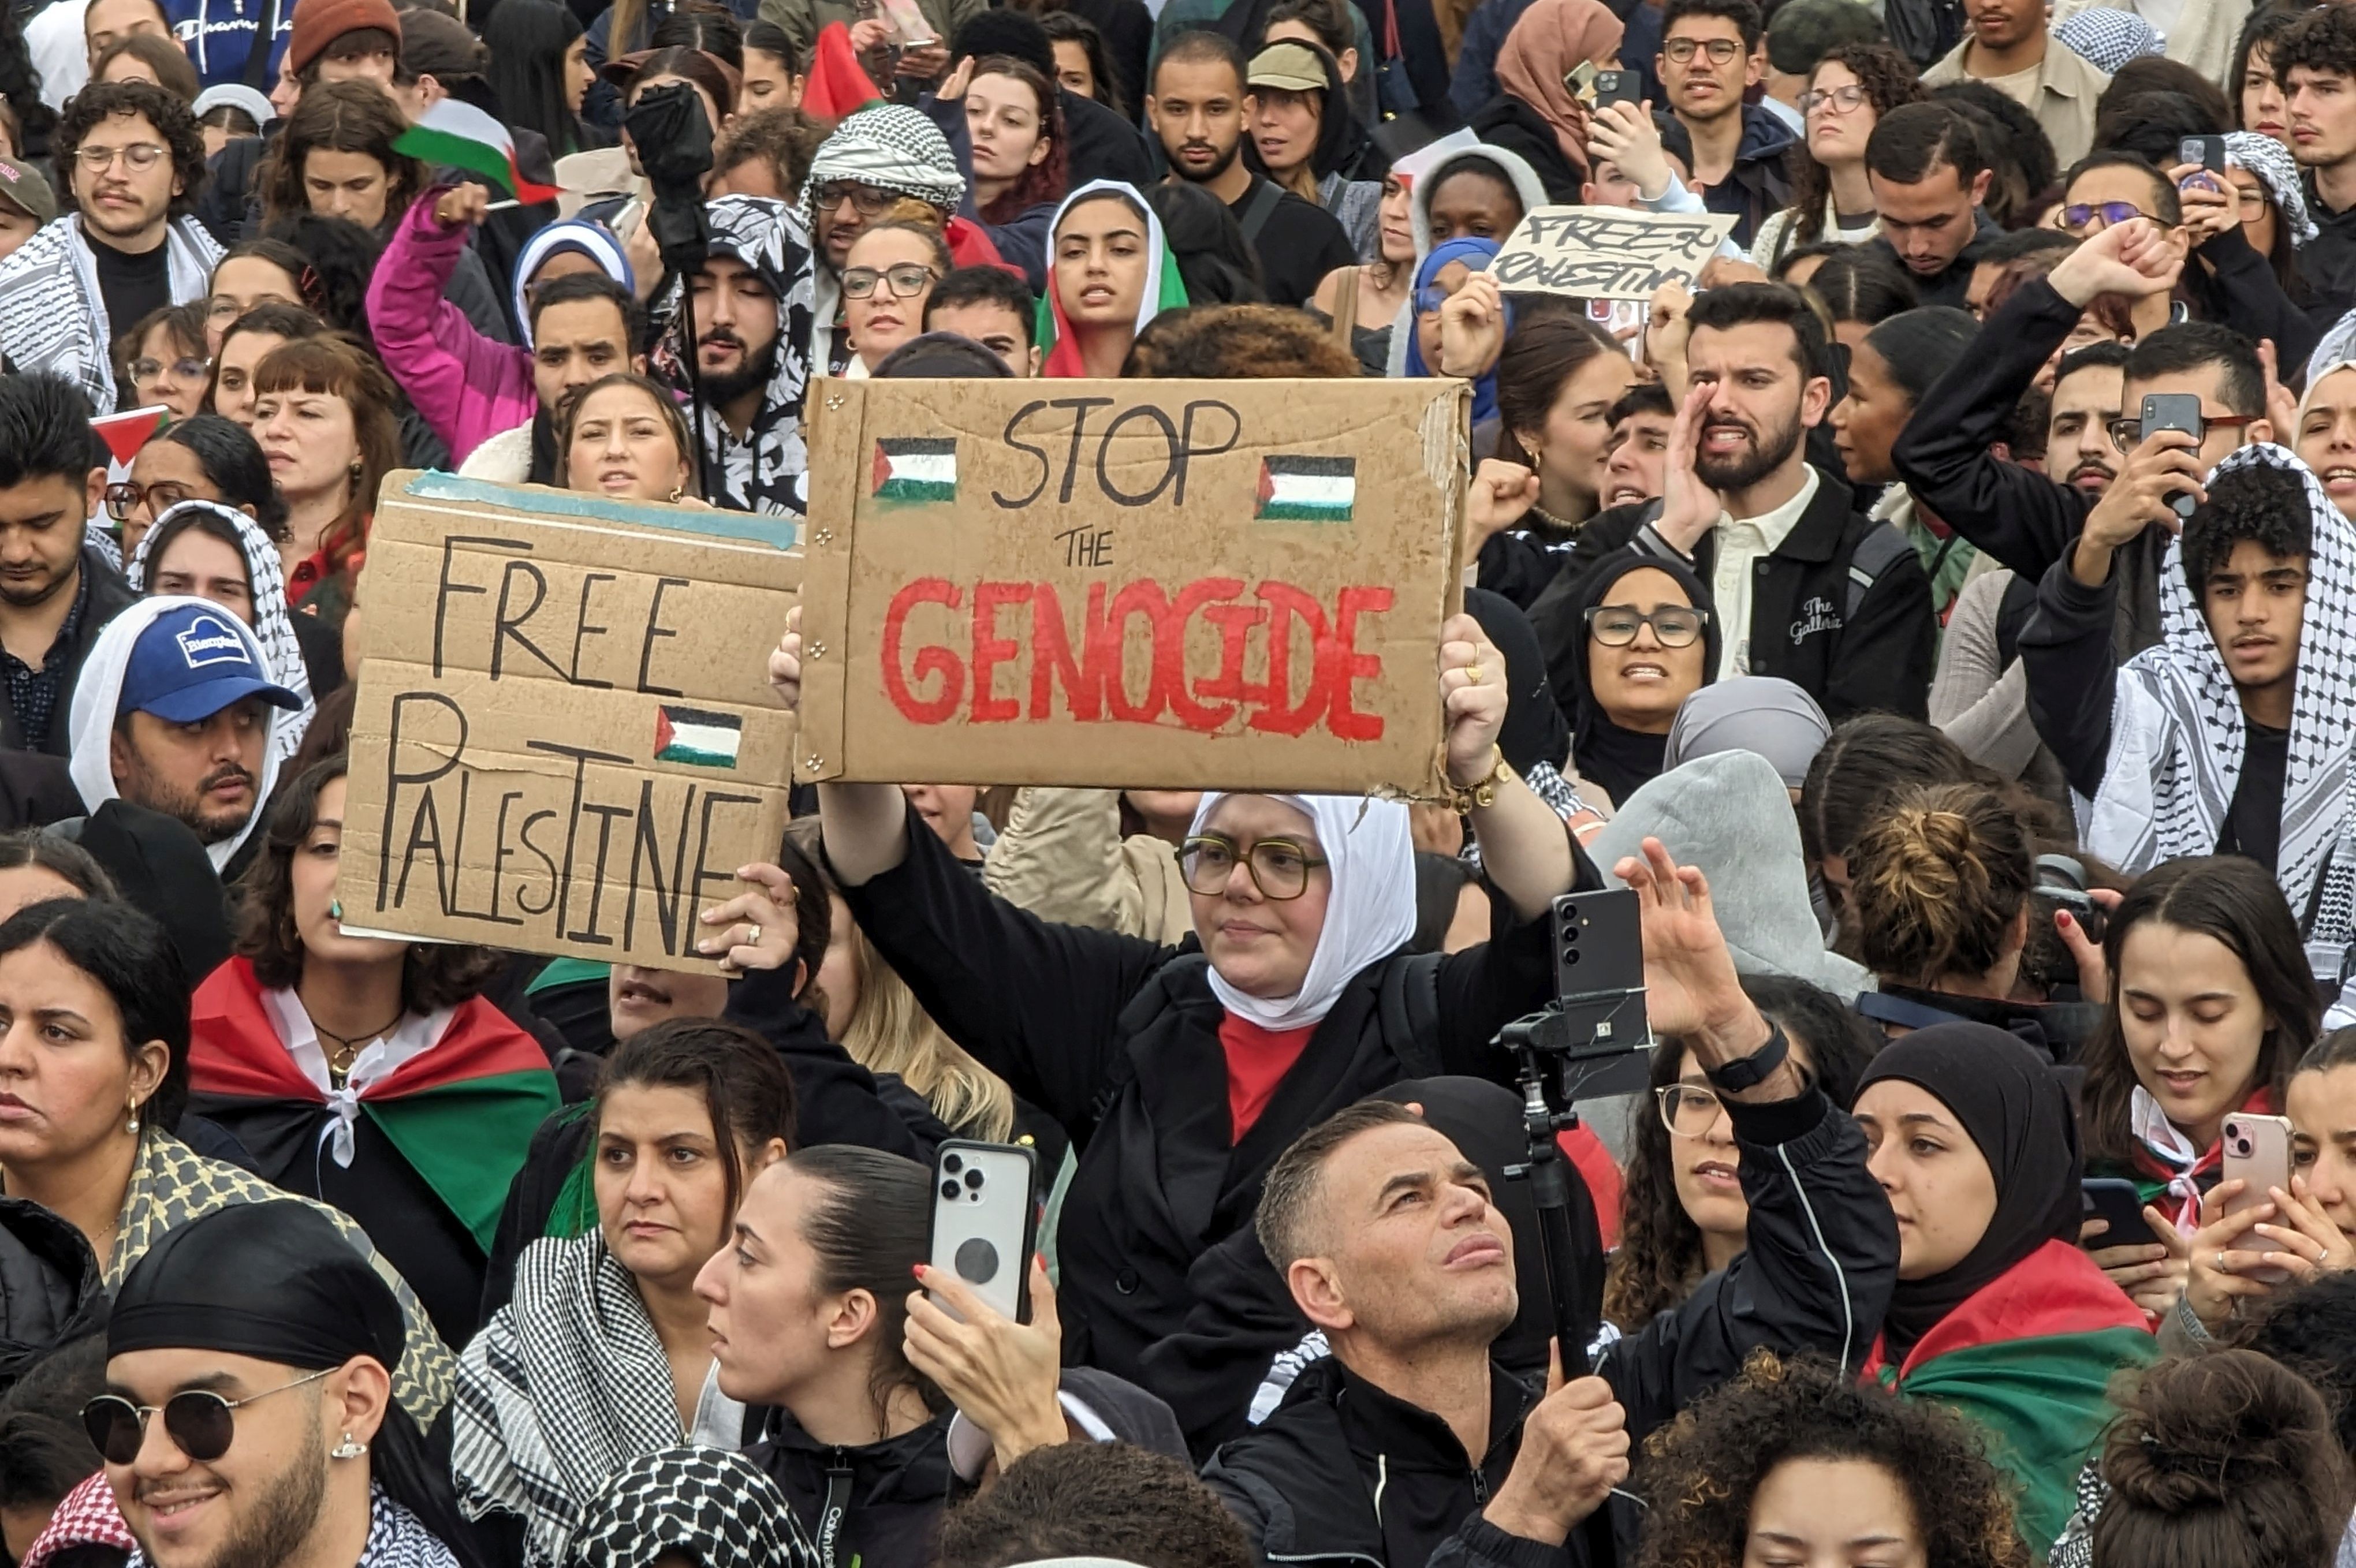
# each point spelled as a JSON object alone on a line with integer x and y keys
{"x": 1618, "y": 87}
{"x": 2173, "y": 410}
{"x": 1599, "y": 943}
{"x": 2117, "y": 1204}
{"x": 2208, "y": 152}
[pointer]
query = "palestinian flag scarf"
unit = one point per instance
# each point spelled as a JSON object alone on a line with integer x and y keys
{"x": 1164, "y": 290}
{"x": 461, "y": 1111}
{"x": 2029, "y": 1358}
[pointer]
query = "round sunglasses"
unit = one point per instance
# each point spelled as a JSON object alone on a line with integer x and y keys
{"x": 200, "y": 1421}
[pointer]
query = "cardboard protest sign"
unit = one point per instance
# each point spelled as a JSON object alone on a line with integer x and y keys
{"x": 1607, "y": 252}
{"x": 565, "y": 741}
{"x": 1111, "y": 583}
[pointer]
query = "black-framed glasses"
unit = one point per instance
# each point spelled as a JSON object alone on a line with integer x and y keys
{"x": 189, "y": 367}
{"x": 1280, "y": 868}
{"x": 2127, "y": 434}
{"x": 2078, "y": 215}
{"x": 200, "y": 1421}
{"x": 1688, "y": 1110}
{"x": 1840, "y": 100}
{"x": 906, "y": 281}
{"x": 865, "y": 200}
{"x": 1674, "y": 626}
{"x": 160, "y": 497}
{"x": 1720, "y": 50}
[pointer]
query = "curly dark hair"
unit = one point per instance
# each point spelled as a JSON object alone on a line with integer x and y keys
{"x": 2323, "y": 40}
{"x": 2311, "y": 1329}
{"x": 1095, "y": 1499}
{"x": 103, "y": 100}
{"x": 1045, "y": 180}
{"x": 356, "y": 116}
{"x": 1890, "y": 80}
{"x": 1704, "y": 1470}
{"x": 1659, "y": 1259}
{"x": 2258, "y": 503}
{"x": 2261, "y": 36}
{"x": 433, "y": 974}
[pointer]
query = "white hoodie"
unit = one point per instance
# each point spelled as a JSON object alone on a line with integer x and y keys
{"x": 99, "y": 692}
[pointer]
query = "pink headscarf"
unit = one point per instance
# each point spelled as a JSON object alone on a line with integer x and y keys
{"x": 1548, "y": 42}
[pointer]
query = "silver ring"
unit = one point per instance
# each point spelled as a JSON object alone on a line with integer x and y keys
{"x": 2223, "y": 1266}
{"x": 753, "y": 937}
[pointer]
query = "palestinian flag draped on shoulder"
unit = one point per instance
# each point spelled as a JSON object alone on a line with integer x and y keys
{"x": 454, "y": 134}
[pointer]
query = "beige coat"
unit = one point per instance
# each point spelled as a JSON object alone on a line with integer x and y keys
{"x": 2061, "y": 94}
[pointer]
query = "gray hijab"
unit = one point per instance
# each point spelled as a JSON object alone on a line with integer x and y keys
{"x": 1760, "y": 713}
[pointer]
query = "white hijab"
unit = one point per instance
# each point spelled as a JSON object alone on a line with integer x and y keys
{"x": 1369, "y": 916}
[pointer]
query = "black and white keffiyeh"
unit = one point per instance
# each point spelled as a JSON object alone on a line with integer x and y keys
{"x": 272, "y": 622}
{"x": 2177, "y": 734}
{"x": 564, "y": 1387}
{"x": 762, "y": 472}
{"x": 890, "y": 147}
{"x": 711, "y": 1503}
{"x": 2107, "y": 39}
{"x": 2271, "y": 163}
{"x": 396, "y": 1539}
{"x": 53, "y": 315}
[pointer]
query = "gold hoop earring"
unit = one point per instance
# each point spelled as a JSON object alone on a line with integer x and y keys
{"x": 676, "y": 491}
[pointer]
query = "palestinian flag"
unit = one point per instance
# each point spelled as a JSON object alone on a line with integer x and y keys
{"x": 2029, "y": 1356}
{"x": 838, "y": 84}
{"x": 698, "y": 736}
{"x": 460, "y": 1114}
{"x": 124, "y": 434}
{"x": 1306, "y": 489}
{"x": 457, "y": 135}
{"x": 1164, "y": 289}
{"x": 914, "y": 468}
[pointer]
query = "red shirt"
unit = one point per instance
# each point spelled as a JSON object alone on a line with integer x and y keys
{"x": 1258, "y": 1060}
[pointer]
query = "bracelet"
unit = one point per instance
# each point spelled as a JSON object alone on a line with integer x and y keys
{"x": 1465, "y": 797}
{"x": 1749, "y": 1071}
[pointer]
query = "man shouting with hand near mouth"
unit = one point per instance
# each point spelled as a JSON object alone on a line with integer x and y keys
{"x": 1807, "y": 587}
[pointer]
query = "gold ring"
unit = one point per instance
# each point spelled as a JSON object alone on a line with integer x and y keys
{"x": 1473, "y": 675}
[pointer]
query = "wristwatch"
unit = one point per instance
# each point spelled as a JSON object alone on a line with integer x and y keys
{"x": 1749, "y": 1071}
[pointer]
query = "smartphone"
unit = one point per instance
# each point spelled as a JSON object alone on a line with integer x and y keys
{"x": 2208, "y": 152}
{"x": 985, "y": 1221}
{"x": 1599, "y": 943}
{"x": 2118, "y": 1204}
{"x": 2257, "y": 1151}
{"x": 1618, "y": 87}
{"x": 2173, "y": 410}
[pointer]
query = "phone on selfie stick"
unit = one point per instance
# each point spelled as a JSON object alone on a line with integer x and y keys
{"x": 986, "y": 1222}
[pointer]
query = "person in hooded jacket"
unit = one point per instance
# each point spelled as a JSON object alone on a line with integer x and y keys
{"x": 1182, "y": 1075}
{"x": 1538, "y": 112}
{"x": 752, "y": 358}
{"x": 1303, "y": 133}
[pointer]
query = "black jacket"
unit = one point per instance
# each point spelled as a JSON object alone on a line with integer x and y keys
{"x": 50, "y": 1288}
{"x": 109, "y": 597}
{"x": 1800, "y": 628}
{"x": 2022, "y": 519}
{"x": 2328, "y": 261}
{"x": 1104, "y": 146}
{"x": 891, "y": 1493}
{"x": 1116, "y": 1039}
{"x": 1757, "y": 186}
{"x": 1507, "y": 121}
{"x": 1953, "y": 286}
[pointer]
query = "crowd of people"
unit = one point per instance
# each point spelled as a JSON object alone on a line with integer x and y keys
{"x": 1941, "y": 616}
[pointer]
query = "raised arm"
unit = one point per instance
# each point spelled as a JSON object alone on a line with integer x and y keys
{"x": 467, "y": 385}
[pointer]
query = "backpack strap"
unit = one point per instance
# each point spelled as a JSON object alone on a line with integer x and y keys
{"x": 1876, "y": 553}
{"x": 1259, "y": 209}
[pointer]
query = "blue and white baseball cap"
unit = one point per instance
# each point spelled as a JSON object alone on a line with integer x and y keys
{"x": 193, "y": 661}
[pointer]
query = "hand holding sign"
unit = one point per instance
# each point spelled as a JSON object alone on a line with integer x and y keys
{"x": 1472, "y": 328}
{"x": 1607, "y": 252}
{"x": 1473, "y": 692}
{"x": 786, "y": 662}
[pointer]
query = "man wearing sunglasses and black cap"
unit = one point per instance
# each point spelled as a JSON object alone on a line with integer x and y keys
{"x": 249, "y": 1419}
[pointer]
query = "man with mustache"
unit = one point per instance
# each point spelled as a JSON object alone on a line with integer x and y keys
{"x": 2029, "y": 521}
{"x": 752, "y": 299}
{"x": 1805, "y": 586}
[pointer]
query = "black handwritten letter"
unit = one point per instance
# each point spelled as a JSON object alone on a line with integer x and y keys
{"x": 655, "y": 628}
{"x": 503, "y": 626}
{"x": 1038, "y": 455}
{"x": 445, "y": 588}
{"x": 451, "y": 755}
{"x": 581, "y": 628}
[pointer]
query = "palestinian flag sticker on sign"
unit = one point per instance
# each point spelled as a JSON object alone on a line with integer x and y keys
{"x": 915, "y": 468}
{"x": 697, "y": 736}
{"x": 1307, "y": 489}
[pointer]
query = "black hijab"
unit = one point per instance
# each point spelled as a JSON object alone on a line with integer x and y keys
{"x": 2012, "y": 1106}
{"x": 1622, "y": 761}
{"x": 1534, "y": 730}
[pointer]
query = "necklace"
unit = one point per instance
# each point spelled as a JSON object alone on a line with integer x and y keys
{"x": 1559, "y": 525}
{"x": 347, "y": 1047}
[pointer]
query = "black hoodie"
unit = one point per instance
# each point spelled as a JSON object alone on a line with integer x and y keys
{"x": 51, "y": 1289}
{"x": 889, "y": 1495}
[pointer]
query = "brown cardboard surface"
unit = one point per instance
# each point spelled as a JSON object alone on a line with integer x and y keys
{"x": 551, "y": 688}
{"x": 1087, "y": 583}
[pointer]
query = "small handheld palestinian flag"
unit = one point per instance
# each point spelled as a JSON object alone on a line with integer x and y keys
{"x": 125, "y": 434}
{"x": 838, "y": 85}
{"x": 1164, "y": 289}
{"x": 460, "y": 135}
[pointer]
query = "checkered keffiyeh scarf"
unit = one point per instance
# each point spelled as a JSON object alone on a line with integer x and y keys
{"x": 762, "y": 472}
{"x": 395, "y": 1540}
{"x": 2106, "y": 39}
{"x": 273, "y": 624}
{"x": 716, "y": 1506}
{"x": 88, "y": 1517}
{"x": 890, "y": 147}
{"x": 173, "y": 1184}
{"x": 2271, "y": 162}
{"x": 2177, "y": 734}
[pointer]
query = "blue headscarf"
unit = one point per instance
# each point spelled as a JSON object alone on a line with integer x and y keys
{"x": 1475, "y": 254}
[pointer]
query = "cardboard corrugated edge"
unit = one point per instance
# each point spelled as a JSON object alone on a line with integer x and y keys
{"x": 838, "y": 424}
{"x": 1447, "y": 435}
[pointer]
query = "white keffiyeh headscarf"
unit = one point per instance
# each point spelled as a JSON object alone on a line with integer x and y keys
{"x": 890, "y": 147}
{"x": 2106, "y": 39}
{"x": 762, "y": 472}
{"x": 2177, "y": 733}
{"x": 1369, "y": 916}
{"x": 273, "y": 624}
{"x": 2271, "y": 162}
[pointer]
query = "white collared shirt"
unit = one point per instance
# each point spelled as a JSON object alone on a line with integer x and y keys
{"x": 411, "y": 1037}
{"x": 1741, "y": 541}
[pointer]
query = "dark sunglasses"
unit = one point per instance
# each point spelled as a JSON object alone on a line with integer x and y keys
{"x": 200, "y": 1421}
{"x": 2113, "y": 213}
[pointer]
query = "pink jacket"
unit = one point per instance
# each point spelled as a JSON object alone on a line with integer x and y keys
{"x": 468, "y": 386}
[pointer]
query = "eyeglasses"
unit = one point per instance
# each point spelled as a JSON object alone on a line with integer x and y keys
{"x": 1280, "y": 868}
{"x": 907, "y": 281}
{"x": 865, "y": 200}
{"x": 2127, "y": 434}
{"x": 1674, "y": 626}
{"x": 160, "y": 497}
{"x": 1839, "y": 100}
{"x": 200, "y": 1422}
{"x": 2253, "y": 202}
{"x": 1721, "y": 51}
{"x": 189, "y": 367}
{"x": 140, "y": 156}
{"x": 1688, "y": 1110}
{"x": 2077, "y": 217}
